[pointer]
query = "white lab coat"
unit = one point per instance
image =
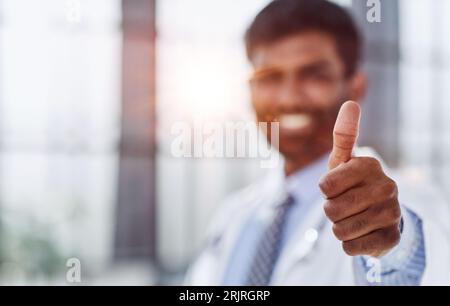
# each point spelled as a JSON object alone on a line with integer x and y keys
{"x": 318, "y": 259}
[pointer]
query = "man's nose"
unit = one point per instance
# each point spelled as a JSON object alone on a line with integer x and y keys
{"x": 291, "y": 95}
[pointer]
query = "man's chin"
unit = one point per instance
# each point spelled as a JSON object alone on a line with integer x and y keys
{"x": 290, "y": 149}
{"x": 302, "y": 147}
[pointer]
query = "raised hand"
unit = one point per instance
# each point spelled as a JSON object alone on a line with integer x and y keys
{"x": 361, "y": 200}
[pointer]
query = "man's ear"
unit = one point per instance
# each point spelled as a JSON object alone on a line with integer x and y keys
{"x": 358, "y": 86}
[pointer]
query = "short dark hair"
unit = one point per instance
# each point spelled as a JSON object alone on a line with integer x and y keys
{"x": 282, "y": 18}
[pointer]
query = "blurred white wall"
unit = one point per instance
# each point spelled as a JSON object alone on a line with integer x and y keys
{"x": 59, "y": 126}
{"x": 425, "y": 91}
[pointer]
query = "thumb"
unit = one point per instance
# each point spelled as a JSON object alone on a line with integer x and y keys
{"x": 345, "y": 134}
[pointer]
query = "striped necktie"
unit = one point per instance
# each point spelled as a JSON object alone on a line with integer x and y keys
{"x": 269, "y": 247}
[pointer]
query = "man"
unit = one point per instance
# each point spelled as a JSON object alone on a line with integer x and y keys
{"x": 329, "y": 218}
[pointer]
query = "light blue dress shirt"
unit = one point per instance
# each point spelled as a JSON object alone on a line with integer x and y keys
{"x": 404, "y": 265}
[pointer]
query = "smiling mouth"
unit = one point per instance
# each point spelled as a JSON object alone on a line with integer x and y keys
{"x": 294, "y": 121}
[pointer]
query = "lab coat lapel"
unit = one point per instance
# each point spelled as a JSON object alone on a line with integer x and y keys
{"x": 304, "y": 241}
{"x": 269, "y": 192}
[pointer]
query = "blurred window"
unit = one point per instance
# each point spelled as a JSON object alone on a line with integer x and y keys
{"x": 425, "y": 91}
{"x": 59, "y": 129}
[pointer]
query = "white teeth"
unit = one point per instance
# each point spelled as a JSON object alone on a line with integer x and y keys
{"x": 294, "y": 121}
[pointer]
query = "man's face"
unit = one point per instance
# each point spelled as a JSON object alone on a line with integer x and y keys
{"x": 300, "y": 82}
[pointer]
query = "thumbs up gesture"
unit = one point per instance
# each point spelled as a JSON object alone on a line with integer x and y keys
{"x": 361, "y": 200}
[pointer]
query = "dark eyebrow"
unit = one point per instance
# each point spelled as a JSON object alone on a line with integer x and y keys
{"x": 316, "y": 66}
{"x": 264, "y": 72}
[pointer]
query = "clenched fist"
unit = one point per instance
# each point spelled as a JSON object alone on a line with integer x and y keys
{"x": 361, "y": 200}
